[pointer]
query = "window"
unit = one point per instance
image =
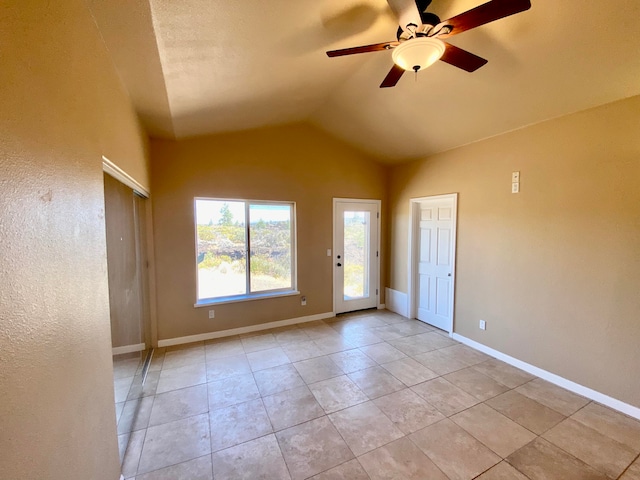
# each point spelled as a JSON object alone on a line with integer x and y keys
{"x": 245, "y": 249}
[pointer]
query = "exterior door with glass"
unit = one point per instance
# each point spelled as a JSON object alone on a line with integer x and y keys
{"x": 356, "y": 254}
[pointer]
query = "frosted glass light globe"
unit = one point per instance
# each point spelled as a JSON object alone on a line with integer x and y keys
{"x": 418, "y": 53}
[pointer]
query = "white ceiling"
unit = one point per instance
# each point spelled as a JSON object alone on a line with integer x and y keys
{"x": 196, "y": 67}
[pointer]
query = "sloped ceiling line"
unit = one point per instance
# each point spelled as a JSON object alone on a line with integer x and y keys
{"x": 128, "y": 32}
{"x": 200, "y": 67}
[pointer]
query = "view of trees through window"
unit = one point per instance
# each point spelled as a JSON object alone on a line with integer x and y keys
{"x": 356, "y": 254}
{"x": 227, "y": 230}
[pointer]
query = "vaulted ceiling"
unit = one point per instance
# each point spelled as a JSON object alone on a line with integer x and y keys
{"x": 197, "y": 67}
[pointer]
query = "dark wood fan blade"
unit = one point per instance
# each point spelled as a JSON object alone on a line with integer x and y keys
{"x": 483, "y": 14}
{"x": 427, "y": 18}
{"x": 422, "y": 5}
{"x": 376, "y": 47}
{"x": 392, "y": 77}
{"x": 461, "y": 58}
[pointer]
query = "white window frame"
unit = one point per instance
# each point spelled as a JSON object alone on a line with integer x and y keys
{"x": 280, "y": 292}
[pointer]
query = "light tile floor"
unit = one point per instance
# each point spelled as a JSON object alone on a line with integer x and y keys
{"x": 371, "y": 395}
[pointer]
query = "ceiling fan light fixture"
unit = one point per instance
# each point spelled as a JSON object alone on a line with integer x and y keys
{"x": 418, "y": 53}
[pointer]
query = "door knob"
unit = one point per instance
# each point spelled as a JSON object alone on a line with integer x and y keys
{"x": 338, "y": 264}
{"x": 448, "y": 274}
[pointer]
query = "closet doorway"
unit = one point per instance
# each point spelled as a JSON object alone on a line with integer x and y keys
{"x": 127, "y": 264}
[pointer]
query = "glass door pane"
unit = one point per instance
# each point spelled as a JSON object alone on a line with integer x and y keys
{"x": 357, "y": 225}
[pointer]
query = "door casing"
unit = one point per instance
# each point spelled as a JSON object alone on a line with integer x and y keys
{"x": 151, "y": 327}
{"x": 378, "y": 204}
{"x": 414, "y": 246}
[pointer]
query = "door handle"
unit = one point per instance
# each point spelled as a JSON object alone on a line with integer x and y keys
{"x": 448, "y": 274}
{"x": 338, "y": 264}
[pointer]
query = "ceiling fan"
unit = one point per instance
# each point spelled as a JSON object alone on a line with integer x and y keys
{"x": 419, "y": 38}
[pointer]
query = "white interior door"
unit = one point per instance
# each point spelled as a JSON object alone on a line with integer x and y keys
{"x": 435, "y": 219}
{"x": 355, "y": 254}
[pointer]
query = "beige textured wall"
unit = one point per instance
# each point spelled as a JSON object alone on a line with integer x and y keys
{"x": 296, "y": 163}
{"x": 62, "y": 108}
{"x": 555, "y": 269}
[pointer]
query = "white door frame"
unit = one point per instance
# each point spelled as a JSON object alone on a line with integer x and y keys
{"x": 414, "y": 230}
{"x": 378, "y": 203}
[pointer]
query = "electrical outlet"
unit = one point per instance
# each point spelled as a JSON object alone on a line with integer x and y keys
{"x": 483, "y": 325}
{"x": 515, "y": 187}
{"x": 303, "y": 301}
{"x": 212, "y": 314}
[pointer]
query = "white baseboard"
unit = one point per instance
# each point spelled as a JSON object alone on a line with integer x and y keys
{"x": 553, "y": 378}
{"x": 237, "y": 331}
{"x": 382, "y": 306}
{"x": 397, "y": 302}
{"x": 128, "y": 349}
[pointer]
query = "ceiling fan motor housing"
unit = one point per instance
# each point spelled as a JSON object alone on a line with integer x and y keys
{"x": 430, "y": 19}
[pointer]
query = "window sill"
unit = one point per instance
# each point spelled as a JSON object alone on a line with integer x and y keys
{"x": 244, "y": 298}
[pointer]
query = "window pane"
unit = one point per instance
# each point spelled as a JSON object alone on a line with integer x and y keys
{"x": 270, "y": 240}
{"x": 356, "y": 254}
{"x": 222, "y": 248}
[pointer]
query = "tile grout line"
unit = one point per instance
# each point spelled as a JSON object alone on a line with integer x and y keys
{"x": 406, "y": 387}
{"x": 209, "y": 422}
{"x": 629, "y": 466}
{"x": 141, "y": 451}
{"x": 284, "y": 460}
{"x": 426, "y": 454}
{"x": 510, "y": 390}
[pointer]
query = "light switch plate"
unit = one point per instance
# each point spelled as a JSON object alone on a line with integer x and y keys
{"x": 328, "y": 252}
{"x": 515, "y": 177}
